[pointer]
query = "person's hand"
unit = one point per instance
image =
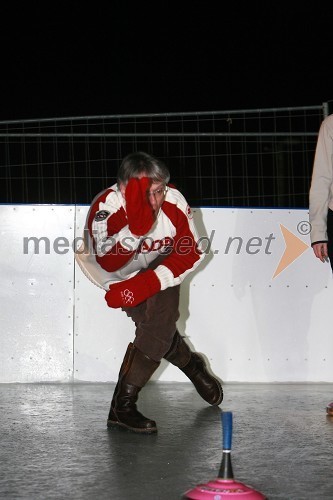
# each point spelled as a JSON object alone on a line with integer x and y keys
{"x": 320, "y": 251}
{"x": 140, "y": 214}
{"x": 130, "y": 293}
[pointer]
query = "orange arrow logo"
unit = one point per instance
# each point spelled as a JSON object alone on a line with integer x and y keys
{"x": 294, "y": 249}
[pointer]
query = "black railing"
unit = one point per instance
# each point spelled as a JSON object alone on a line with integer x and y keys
{"x": 242, "y": 158}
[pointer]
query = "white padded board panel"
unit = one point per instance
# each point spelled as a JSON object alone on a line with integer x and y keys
{"x": 36, "y": 294}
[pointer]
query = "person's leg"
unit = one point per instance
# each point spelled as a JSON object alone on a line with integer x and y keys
{"x": 329, "y": 407}
{"x": 194, "y": 367}
{"x": 135, "y": 371}
{"x": 155, "y": 321}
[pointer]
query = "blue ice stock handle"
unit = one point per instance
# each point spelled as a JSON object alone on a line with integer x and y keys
{"x": 227, "y": 429}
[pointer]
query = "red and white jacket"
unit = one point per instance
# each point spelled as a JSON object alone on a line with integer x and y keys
{"x": 111, "y": 253}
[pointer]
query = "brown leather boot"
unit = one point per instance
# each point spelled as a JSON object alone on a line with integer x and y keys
{"x": 135, "y": 371}
{"x": 194, "y": 367}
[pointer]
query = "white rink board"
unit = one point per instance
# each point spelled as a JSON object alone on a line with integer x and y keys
{"x": 251, "y": 326}
{"x": 36, "y": 295}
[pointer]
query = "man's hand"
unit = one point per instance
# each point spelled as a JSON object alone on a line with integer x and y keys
{"x": 320, "y": 251}
{"x": 139, "y": 211}
{"x": 130, "y": 293}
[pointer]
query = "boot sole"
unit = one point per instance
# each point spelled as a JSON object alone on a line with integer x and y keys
{"x": 203, "y": 369}
{"x": 115, "y": 424}
{"x": 220, "y": 399}
{"x": 219, "y": 387}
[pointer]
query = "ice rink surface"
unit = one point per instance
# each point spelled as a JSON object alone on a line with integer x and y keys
{"x": 55, "y": 444}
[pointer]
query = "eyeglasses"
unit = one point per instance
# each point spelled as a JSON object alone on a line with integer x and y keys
{"x": 158, "y": 192}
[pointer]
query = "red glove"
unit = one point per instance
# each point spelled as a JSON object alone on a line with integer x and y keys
{"x": 132, "y": 292}
{"x": 139, "y": 212}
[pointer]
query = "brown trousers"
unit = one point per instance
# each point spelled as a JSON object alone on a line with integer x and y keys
{"x": 155, "y": 321}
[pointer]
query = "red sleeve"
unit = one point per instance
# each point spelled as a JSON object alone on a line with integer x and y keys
{"x": 104, "y": 231}
{"x": 185, "y": 252}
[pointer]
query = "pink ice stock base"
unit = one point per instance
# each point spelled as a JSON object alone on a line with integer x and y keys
{"x": 219, "y": 489}
{"x": 224, "y": 486}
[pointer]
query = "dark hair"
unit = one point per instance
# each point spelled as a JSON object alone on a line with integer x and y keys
{"x": 137, "y": 163}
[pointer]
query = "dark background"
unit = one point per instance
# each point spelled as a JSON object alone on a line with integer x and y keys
{"x": 70, "y": 59}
